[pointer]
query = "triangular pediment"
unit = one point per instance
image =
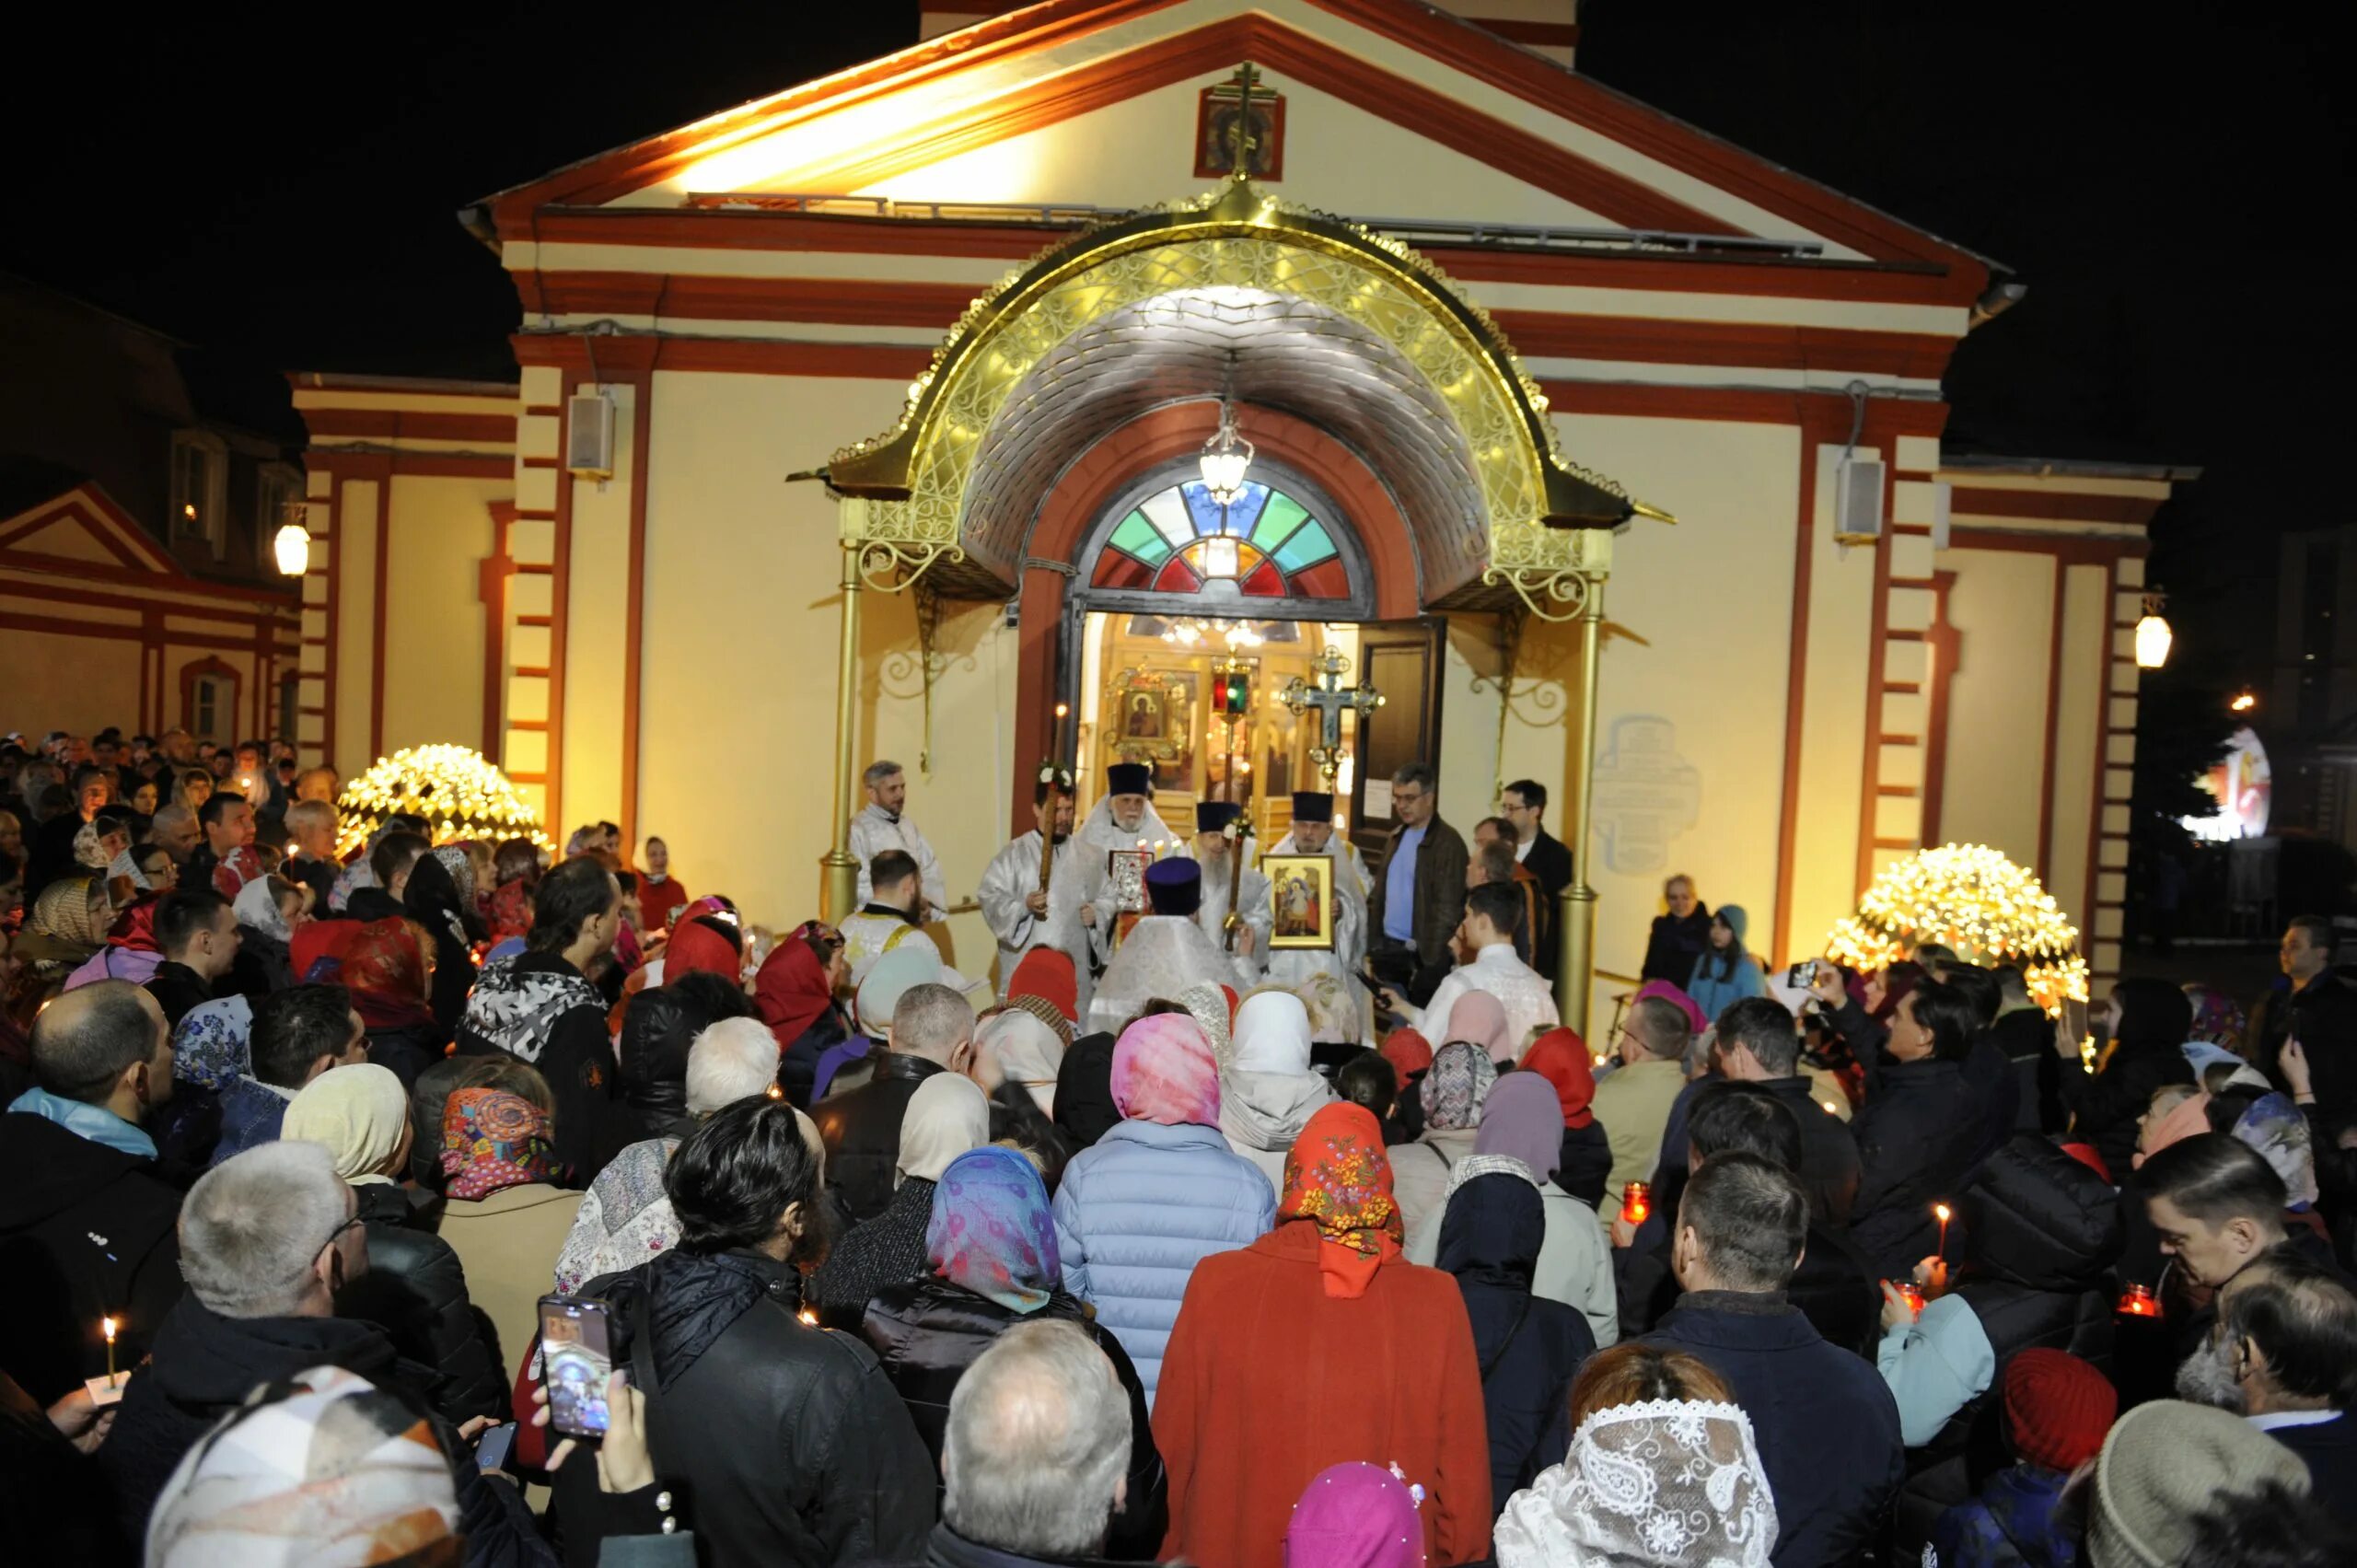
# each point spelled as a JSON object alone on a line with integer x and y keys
{"x": 82, "y": 528}
{"x": 1393, "y": 111}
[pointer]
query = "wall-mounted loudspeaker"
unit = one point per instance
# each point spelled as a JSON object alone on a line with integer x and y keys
{"x": 589, "y": 436}
{"x": 1857, "y": 501}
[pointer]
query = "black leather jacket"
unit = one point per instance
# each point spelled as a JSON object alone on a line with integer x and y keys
{"x": 927, "y": 1331}
{"x": 416, "y": 1292}
{"x": 862, "y": 1128}
{"x": 785, "y": 1443}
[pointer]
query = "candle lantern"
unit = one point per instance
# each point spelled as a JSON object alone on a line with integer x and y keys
{"x": 1636, "y": 1202}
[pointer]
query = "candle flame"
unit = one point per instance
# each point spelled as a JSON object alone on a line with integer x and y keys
{"x": 107, "y": 1325}
{"x": 807, "y": 1315}
{"x": 1943, "y": 1211}
{"x": 1829, "y": 1110}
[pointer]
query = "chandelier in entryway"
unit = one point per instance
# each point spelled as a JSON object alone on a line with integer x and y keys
{"x": 1195, "y": 630}
{"x": 1227, "y": 457}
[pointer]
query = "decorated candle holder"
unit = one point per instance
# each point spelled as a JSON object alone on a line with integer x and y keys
{"x": 2138, "y": 1301}
{"x": 1636, "y": 1202}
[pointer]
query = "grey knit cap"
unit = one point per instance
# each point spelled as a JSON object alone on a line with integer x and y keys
{"x": 2163, "y": 1464}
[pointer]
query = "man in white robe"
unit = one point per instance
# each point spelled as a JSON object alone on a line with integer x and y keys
{"x": 1313, "y": 833}
{"x": 1124, "y": 817}
{"x": 881, "y": 826}
{"x": 1493, "y": 911}
{"x": 1021, "y": 917}
{"x": 1211, "y": 850}
{"x": 887, "y": 923}
{"x": 1167, "y": 952}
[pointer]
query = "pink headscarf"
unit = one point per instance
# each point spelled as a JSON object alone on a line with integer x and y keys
{"x": 1354, "y": 1515}
{"x": 1164, "y": 1070}
{"x": 1672, "y": 994}
{"x": 1479, "y": 1018}
{"x": 2188, "y": 1117}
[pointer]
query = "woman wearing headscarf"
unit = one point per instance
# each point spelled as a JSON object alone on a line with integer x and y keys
{"x": 516, "y": 867}
{"x": 385, "y": 966}
{"x": 1529, "y": 1347}
{"x": 1085, "y": 1109}
{"x": 413, "y": 1287}
{"x": 1575, "y": 1264}
{"x": 1269, "y": 1091}
{"x": 990, "y": 1249}
{"x": 2148, "y": 1022}
{"x": 1561, "y": 1057}
{"x": 1411, "y": 1055}
{"x": 440, "y": 897}
{"x": 1012, "y": 1046}
{"x": 1299, "y": 1350}
{"x": 1480, "y": 1018}
{"x": 1452, "y": 1093}
{"x": 1669, "y": 1482}
{"x": 67, "y": 926}
{"x": 504, "y": 1217}
{"x": 1159, "y": 1192}
{"x": 212, "y": 1049}
{"x": 945, "y": 1117}
{"x": 795, "y": 994}
{"x": 268, "y": 909}
{"x": 1354, "y": 1515}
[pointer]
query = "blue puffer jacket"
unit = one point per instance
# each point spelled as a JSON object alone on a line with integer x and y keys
{"x": 1138, "y": 1211}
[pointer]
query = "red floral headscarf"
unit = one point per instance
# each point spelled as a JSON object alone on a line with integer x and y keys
{"x": 1338, "y": 1178}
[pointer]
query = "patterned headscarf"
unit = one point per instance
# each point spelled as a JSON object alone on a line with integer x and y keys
{"x": 2278, "y": 1133}
{"x": 73, "y": 910}
{"x": 1337, "y": 1177}
{"x": 1674, "y": 1483}
{"x": 1164, "y": 1070}
{"x": 1561, "y": 1057}
{"x": 1354, "y": 1515}
{"x": 491, "y": 1141}
{"x": 326, "y": 1470}
{"x": 1456, "y": 1087}
{"x": 1481, "y": 1017}
{"x": 1208, "y": 1005}
{"x": 257, "y": 906}
{"x": 212, "y": 1045}
{"x": 455, "y": 860}
{"x": 992, "y": 1231}
{"x": 2216, "y": 1017}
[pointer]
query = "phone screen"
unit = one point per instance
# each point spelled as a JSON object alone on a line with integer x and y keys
{"x": 577, "y": 1356}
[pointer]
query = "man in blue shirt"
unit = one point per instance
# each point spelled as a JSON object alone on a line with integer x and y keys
{"x": 1420, "y": 892}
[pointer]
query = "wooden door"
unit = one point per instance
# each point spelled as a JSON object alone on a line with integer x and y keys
{"x": 1402, "y": 660}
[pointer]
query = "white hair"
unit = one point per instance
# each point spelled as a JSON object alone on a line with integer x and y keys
{"x": 252, "y": 1226}
{"x": 732, "y": 1060}
{"x": 1038, "y": 1440}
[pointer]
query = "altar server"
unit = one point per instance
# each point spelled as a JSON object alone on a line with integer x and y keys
{"x": 882, "y": 825}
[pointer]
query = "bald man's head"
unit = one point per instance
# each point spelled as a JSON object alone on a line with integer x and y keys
{"x": 87, "y": 1041}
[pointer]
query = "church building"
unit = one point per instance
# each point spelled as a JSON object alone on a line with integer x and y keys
{"x": 870, "y": 419}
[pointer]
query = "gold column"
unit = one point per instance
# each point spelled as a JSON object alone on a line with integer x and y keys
{"x": 1575, "y": 916}
{"x": 838, "y": 881}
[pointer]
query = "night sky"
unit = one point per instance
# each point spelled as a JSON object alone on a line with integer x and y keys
{"x": 275, "y": 184}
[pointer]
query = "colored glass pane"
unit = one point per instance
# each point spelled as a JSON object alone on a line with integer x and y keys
{"x": 1176, "y": 577}
{"x": 1201, "y": 508}
{"x": 1325, "y": 580}
{"x": 1115, "y": 570}
{"x": 1167, "y": 513}
{"x": 1264, "y": 582}
{"x": 1138, "y": 537}
{"x": 1245, "y": 510}
{"x": 1277, "y": 521}
{"x": 1308, "y": 546}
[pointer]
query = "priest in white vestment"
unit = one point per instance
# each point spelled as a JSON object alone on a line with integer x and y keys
{"x": 1124, "y": 818}
{"x": 1313, "y": 833}
{"x": 881, "y": 825}
{"x": 1022, "y": 917}
{"x": 1167, "y": 952}
{"x": 1214, "y": 843}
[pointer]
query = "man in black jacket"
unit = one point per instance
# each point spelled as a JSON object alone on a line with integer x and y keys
{"x": 2317, "y": 1007}
{"x": 797, "y": 1446}
{"x": 197, "y": 933}
{"x": 1033, "y": 1461}
{"x": 1758, "y": 1043}
{"x": 1523, "y": 803}
{"x": 933, "y": 1031}
{"x": 86, "y": 1220}
{"x": 1827, "y": 1426}
{"x": 2285, "y": 1356}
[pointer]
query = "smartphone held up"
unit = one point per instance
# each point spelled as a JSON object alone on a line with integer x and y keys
{"x": 576, "y": 1357}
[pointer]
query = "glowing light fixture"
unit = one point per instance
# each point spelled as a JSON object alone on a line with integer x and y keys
{"x": 2153, "y": 636}
{"x": 2245, "y": 701}
{"x": 1972, "y": 899}
{"x": 292, "y": 547}
{"x": 1219, "y": 557}
{"x": 460, "y": 794}
{"x": 1227, "y": 457}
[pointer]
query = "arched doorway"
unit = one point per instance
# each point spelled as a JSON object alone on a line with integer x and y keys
{"x": 1011, "y": 444}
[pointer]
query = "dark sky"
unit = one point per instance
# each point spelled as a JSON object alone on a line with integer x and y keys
{"x": 2165, "y": 179}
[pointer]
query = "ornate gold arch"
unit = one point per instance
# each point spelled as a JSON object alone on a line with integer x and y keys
{"x": 1548, "y": 520}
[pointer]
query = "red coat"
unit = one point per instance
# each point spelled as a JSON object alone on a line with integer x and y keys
{"x": 1268, "y": 1380}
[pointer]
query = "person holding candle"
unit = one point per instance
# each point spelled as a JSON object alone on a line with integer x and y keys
{"x": 86, "y": 1220}
{"x": 1917, "y": 1131}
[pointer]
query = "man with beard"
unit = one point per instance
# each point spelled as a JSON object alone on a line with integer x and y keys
{"x": 1213, "y": 845}
{"x": 881, "y": 825}
{"x": 1125, "y": 818}
{"x": 1313, "y": 833}
{"x": 1023, "y": 917}
{"x": 2285, "y": 1356}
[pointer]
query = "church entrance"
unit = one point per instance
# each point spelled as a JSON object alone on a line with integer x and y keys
{"x": 1208, "y": 641}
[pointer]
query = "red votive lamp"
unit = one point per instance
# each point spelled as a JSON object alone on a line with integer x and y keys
{"x": 1911, "y": 1294}
{"x": 1636, "y": 1202}
{"x": 2138, "y": 1301}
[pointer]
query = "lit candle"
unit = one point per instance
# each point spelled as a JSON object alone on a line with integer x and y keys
{"x": 775, "y": 1092}
{"x": 1942, "y": 1212}
{"x": 2137, "y": 1301}
{"x": 809, "y": 1317}
{"x": 1636, "y": 1202}
{"x": 106, "y": 1326}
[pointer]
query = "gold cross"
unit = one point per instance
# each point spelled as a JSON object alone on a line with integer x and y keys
{"x": 1247, "y": 78}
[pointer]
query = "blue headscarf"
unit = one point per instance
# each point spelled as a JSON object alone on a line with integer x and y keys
{"x": 992, "y": 1231}
{"x": 212, "y": 1046}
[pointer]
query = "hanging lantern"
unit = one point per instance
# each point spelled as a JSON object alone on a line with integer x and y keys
{"x": 1226, "y": 456}
{"x": 292, "y": 547}
{"x": 2153, "y": 636}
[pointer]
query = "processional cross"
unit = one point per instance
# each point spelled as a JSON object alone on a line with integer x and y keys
{"x": 1331, "y": 701}
{"x": 1246, "y": 78}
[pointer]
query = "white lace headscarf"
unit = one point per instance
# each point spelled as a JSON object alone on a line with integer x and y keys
{"x": 1669, "y": 1483}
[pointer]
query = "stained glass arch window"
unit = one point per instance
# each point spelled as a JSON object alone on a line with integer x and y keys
{"x": 1177, "y": 539}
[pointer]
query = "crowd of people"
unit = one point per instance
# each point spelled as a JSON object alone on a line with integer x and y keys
{"x": 1155, "y": 1240}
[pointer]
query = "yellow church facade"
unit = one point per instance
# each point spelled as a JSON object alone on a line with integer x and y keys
{"x": 1609, "y": 453}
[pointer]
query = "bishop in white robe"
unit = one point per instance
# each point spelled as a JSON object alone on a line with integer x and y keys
{"x": 1022, "y": 918}
{"x": 1211, "y": 850}
{"x": 1121, "y": 820}
{"x": 1166, "y": 951}
{"x": 1313, "y": 833}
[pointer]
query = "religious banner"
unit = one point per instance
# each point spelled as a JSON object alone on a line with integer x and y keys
{"x": 1301, "y": 895}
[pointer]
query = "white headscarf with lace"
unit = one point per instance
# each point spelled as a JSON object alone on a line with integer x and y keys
{"x": 1667, "y": 1484}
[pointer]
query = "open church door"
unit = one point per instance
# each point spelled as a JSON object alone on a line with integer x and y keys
{"x": 1402, "y": 660}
